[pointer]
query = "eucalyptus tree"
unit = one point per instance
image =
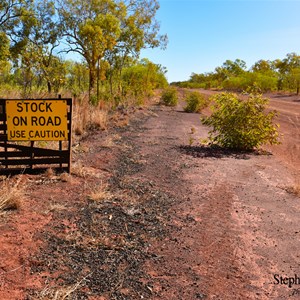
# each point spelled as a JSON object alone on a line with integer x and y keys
{"x": 44, "y": 39}
{"x": 108, "y": 30}
{"x": 139, "y": 30}
{"x": 4, "y": 55}
{"x": 77, "y": 76}
{"x": 90, "y": 28}
{"x": 289, "y": 69}
{"x": 4, "y": 47}
{"x": 33, "y": 32}
{"x": 11, "y": 11}
{"x": 263, "y": 76}
{"x": 263, "y": 66}
{"x": 16, "y": 19}
{"x": 142, "y": 78}
{"x": 235, "y": 68}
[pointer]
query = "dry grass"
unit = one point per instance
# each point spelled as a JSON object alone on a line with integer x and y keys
{"x": 294, "y": 189}
{"x": 108, "y": 142}
{"x": 80, "y": 148}
{"x": 63, "y": 293}
{"x": 12, "y": 193}
{"x": 65, "y": 177}
{"x": 79, "y": 170}
{"x": 120, "y": 120}
{"x": 49, "y": 173}
{"x": 57, "y": 207}
{"x": 124, "y": 122}
{"x": 50, "y": 176}
{"x": 87, "y": 116}
{"x": 98, "y": 118}
{"x": 99, "y": 193}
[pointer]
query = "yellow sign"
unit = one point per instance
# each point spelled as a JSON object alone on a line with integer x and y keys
{"x": 37, "y": 120}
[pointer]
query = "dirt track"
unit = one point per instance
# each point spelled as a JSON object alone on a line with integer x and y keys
{"x": 179, "y": 222}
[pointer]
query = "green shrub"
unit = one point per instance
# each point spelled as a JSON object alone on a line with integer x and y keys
{"x": 236, "y": 83}
{"x": 195, "y": 102}
{"x": 169, "y": 96}
{"x": 241, "y": 124}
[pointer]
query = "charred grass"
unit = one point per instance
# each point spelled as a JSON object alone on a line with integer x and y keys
{"x": 101, "y": 246}
{"x": 213, "y": 151}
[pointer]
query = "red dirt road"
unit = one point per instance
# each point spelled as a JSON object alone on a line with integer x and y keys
{"x": 179, "y": 222}
{"x": 236, "y": 224}
{"x": 289, "y": 120}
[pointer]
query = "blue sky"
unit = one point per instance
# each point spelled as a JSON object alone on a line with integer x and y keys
{"x": 205, "y": 33}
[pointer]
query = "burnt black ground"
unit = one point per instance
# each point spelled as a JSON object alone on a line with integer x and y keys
{"x": 105, "y": 244}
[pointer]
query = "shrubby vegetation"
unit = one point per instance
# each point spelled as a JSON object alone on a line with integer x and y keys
{"x": 140, "y": 80}
{"x": 107, "y": 35}
{"x": 241, "y": 124}
{"x": 264, "y": 76}
{"x": 169, "y": 96}
{"x": 195, "y": 102}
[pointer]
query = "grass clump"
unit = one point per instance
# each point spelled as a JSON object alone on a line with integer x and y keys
{"x": 11, "y": 195}
{"x": 88, "y": 117}
{"x": 241, "y": 124}
{"x": 61, "y": 293}
{"x": 195, "y": 102}
{"x": 100, "y": 193}
{"x": 169, "y": 97}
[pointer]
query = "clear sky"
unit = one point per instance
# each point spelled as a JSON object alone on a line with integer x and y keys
{"x": 203, "y": 34}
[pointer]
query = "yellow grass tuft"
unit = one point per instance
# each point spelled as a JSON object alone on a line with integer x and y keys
{"x": 63, "y": 293}
{"x": 98, "y": 118}
{"x": 79, "y": 170}
{"x": 99, "y": 193}
{"x": 49, "y": 173}
{"x": 11, "y": 194}
{"x": 65, "y": 177}
{"x": 295, "y": 189}
{"x": 87, "y": 116}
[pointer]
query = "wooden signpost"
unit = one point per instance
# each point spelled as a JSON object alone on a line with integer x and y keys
{"x": 28, "y": 121}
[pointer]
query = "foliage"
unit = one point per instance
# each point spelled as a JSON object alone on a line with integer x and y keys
{"x": 108, "y": 32}
{"x": 4, "y": 46}
{"x": 195, "y": 102}
{"x": 91, "y": 28}
{"x": 108, "y": 35}
{"x": 241, "y": 124}
{"x": 77, "y": 77}
{"x": 141, "y": 79}
{"x": 232, "y": 68}
{"x": 264, "y": 75}
{"x": 169, "y": 96}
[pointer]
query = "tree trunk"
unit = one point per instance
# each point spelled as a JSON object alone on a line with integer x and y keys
{"x": 111, "y": 83}
{"x": 92, "y": 83}
{"x": 49, "y": 87}
{"x": 98, "y": 80}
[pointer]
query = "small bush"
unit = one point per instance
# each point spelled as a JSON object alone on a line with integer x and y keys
{"x": 169, "y": 97}
{"x": 195, "y": 102}
{"x": 241, "y": 124}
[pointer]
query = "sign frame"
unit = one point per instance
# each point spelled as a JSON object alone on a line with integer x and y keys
{"x": 36, "y": 120}
{"x": 15, "y": 157}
